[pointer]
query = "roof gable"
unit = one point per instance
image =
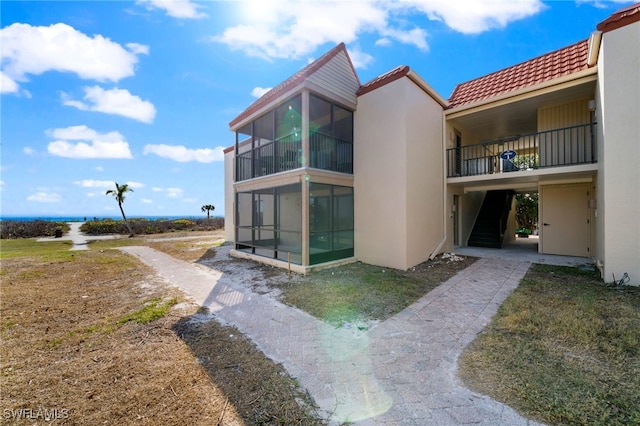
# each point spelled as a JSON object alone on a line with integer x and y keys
{"x": 562, "y": 62}
{"x": 313, "y": 71}
{"x": 384, "y": 79}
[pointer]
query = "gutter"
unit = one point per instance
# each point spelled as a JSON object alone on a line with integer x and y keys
{"x": 594, "y": 48}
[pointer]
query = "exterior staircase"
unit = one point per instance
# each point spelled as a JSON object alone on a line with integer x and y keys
{"x": 491, "y": 223}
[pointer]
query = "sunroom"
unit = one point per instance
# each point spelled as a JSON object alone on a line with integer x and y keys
{"x": 294, "y": 183}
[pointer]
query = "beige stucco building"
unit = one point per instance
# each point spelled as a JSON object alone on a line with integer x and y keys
{"x": 326, "y": 169}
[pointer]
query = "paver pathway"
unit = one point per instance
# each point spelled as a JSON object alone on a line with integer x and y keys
{"x": 402, "y": 372}
{"x": 79, "y": 239}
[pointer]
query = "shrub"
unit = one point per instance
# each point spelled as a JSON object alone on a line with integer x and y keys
{"x": 143, "y": 226}
{"x": 11, "y": 229}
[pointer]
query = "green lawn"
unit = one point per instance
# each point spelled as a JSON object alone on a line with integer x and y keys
{"x": 563, "y": 349}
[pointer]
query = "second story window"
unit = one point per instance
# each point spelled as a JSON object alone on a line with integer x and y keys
{"x": 330, "y": 136}
{"x": 271, "y": 143}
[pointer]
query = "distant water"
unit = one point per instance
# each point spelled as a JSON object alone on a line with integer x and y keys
{"x": 85, "y": 218}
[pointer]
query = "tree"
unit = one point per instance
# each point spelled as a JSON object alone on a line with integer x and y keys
{"x": 208, "y": 208}
{"x": 119, "y": 195}
{"x": 527, "y": 210}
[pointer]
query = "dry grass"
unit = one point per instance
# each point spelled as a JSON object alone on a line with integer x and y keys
{"x": 563, "y": 349}
{"x": 75, "y": 339}
{"x": 357, "y": 295}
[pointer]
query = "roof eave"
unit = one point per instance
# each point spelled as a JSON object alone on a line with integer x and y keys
{"x": 520, "y": 92}
{"x": 236, "y": 124}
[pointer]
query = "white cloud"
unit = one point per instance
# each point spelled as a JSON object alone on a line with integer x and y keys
{"x": 170, "y": 192}
{"x": 359, "y": 58}
{"x": 190, "y": 200}
{"x": 259, "y": 91}
{"x": 174, "y": 192}
{"x": 90, "y": 183}
{"x": 601, "y": 3}
{"x": 100, "y": 169}
{"x": 289, "y": 29}
{"x": 146, "y": 200}
{"x": 35, "y": 50}
{"x": 181, "y": 9}
{"x": 92, "y": 144}
{"x": 113, "y": 101}
{"x": 1, "y": 185}
{"x": 44, "y": 197}
{"x": 28, "y": 150}
{"x": 104, "y": 184}
{"x": 183, "y": 154}
{"x": 7, "y": 84}
{"x": 476, "y": 16}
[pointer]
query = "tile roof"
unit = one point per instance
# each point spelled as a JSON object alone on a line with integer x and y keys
{"x": 550, "y": 66}
{"x": 383, "y": 79}
{"x": 625, "y": 16}
{"x": 291, "y": 82}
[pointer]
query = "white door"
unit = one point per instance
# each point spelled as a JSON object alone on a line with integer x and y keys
{"x": 564, "y": 224}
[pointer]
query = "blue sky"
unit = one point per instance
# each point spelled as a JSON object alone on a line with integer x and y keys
{"x": 142, "y": 92}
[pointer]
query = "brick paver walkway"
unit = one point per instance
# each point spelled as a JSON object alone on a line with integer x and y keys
{"x": 401, "y": 372}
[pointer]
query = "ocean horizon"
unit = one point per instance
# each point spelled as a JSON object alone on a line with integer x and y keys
{"x": 87, "y": 218}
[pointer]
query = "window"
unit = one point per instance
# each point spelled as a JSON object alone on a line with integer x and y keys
{"x": 330, "y": 222}
{"x": 271, "y": 143}
{"x": 269, "y": 222}
{"x": 330, "y": 136}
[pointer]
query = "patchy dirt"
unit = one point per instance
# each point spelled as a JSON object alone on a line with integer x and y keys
{"x": 67, "y": 356}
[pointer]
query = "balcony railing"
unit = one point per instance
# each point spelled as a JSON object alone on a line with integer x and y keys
{"x": 330, "y": 153}
{"x": 284, "y": 154}
{"x": 279, "y": 156}
{"x": 552, "y": 148}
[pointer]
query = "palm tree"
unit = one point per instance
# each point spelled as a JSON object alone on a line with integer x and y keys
{"x": 119, "y": 194}
{"x": 208, "y": 208}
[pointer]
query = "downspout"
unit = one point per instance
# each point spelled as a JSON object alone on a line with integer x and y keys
{"x": 445, "y": 212}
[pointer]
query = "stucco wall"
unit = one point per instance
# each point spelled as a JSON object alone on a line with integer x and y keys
{"x": 380, "y": 178}
{"x": 398, "y": 175}
{"x": 619, "y": 149}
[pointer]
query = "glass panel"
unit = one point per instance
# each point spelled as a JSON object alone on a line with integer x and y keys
{"x": 343, "y": 208}
{"x": 320, "y": 211}
{"x": 243, "y": 136}
{"x": 263, "y": 129}
{"x": 265, "y": 205}
{"x": 243, "y": 213}
{"x": 319, "y": 116}
{"x": 343, "y": 124}
{"x": 289, "y": 223}
{"x": 342, "y": 240}
{"x": 331, "y": 222}
{"x": 289, "y": 118}
{"x": 244, "y": 236}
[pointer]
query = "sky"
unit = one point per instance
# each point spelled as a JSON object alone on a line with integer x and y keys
{"x": 142, "y": 92}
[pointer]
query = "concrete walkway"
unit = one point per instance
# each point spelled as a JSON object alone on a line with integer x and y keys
{"x": 401, "y": 372}
{"x": 80, "y": 240}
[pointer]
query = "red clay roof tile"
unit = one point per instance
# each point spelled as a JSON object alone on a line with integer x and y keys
{"x": 383, "y": 79}
{"x": 565, "y": 61}
{"x": 625, "y": 16}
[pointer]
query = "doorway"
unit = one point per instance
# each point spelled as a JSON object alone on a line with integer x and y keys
{"x": 564, "y": 220}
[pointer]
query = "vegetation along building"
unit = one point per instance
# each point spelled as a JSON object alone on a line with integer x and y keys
{"x": 325, "y": 169}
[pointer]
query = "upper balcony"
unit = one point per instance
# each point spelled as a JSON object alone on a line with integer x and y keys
{"x": 566, "y": 146}
{"x": 286, "y": 139}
